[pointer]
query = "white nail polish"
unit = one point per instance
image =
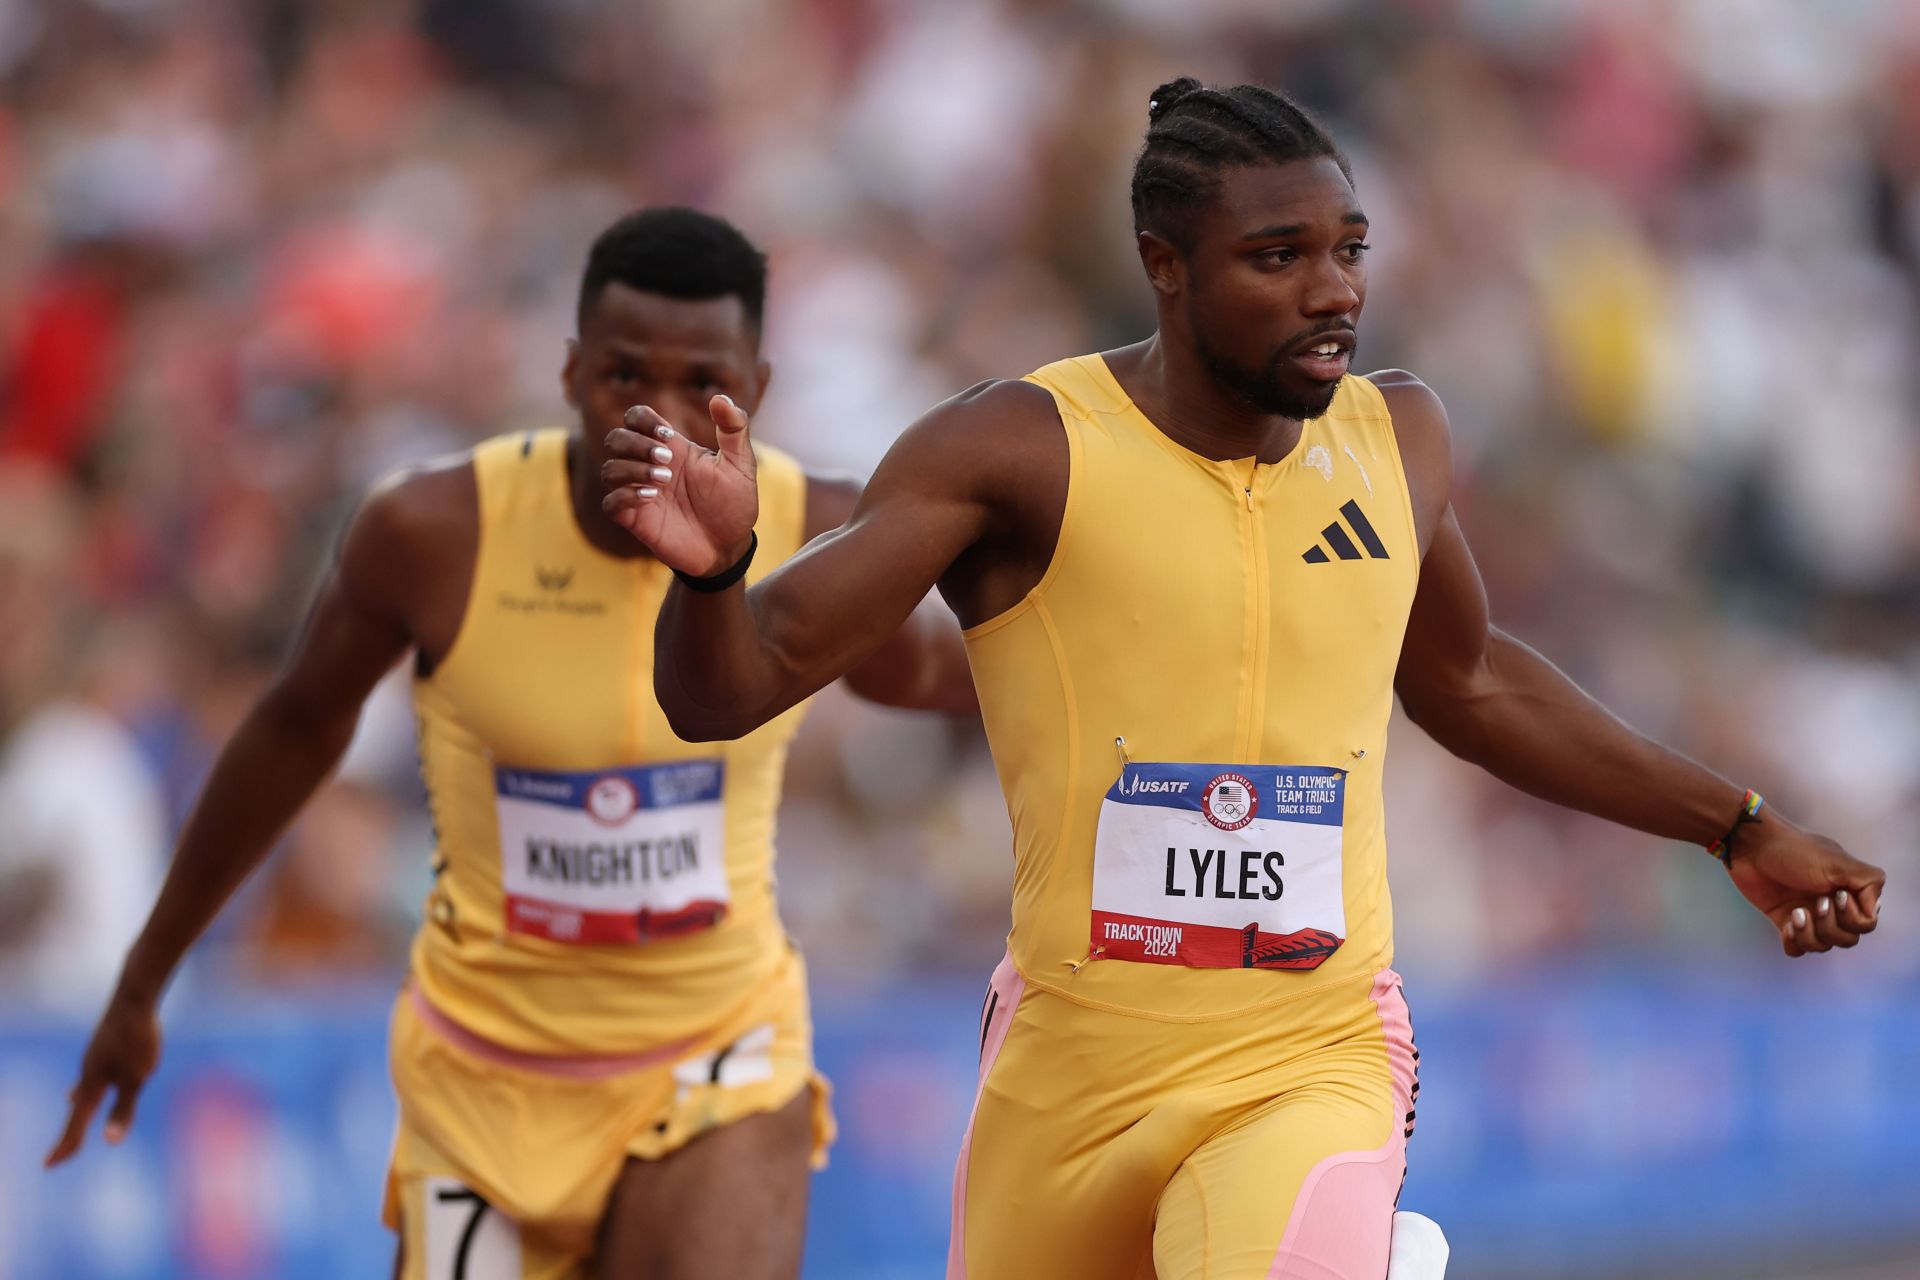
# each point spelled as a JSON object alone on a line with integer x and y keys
{"x": 662, "y": 475}
{"x": 663, "y": 433}
{"x": 662, "y": 454}
{"x": 1799, "y": 913}
{"x": 1823, "y": 906}
{"x": 649, "y": 493}
{"x": 1841, "y": 897}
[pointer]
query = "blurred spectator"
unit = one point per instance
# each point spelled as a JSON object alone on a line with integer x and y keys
{"x": 81, "y": 822}
{"x": 1661, "y": 260}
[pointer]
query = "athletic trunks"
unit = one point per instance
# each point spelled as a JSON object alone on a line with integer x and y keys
{"x": 503, "y": 1161}
{"x": 1107, "y": 1148}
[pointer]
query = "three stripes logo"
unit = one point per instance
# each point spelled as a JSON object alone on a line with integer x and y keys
{"x": 1336, "y": 537}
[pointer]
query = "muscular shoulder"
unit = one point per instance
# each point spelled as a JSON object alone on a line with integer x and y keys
{"x": 1415, "y": 406}
{"x": 421, "y": 508}
{"x": 989, "y": 441}
{"x": 1425, "y": 437}
{"x": 416, "y": 526}
{"x": 1002, "y": 424}
{"x": 1003, "y": 403}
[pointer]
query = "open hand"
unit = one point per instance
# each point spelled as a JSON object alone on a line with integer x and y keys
{"x": 123, "y": 1052}
{"x": 1817, "y": 894}
{"x": 692, "y": 507}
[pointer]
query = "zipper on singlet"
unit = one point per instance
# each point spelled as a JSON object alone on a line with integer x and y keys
{"x": 1254, "y": 651}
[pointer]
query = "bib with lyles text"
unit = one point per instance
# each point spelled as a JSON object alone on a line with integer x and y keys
{"x": 1220, "y": 866}
{"x": 622, "y": 855}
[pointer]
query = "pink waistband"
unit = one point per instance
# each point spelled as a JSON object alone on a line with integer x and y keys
{"x": 576, "y": 1067}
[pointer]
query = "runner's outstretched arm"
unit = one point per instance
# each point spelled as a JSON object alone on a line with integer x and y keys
{"x": 1491, "y": 700}
{"x": 923, "y": 665}
{"x": 289, "y": 742}
{"x": 730, "y": 660}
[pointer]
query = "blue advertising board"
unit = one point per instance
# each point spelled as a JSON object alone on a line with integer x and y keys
{"x": 1570, "y": 1123}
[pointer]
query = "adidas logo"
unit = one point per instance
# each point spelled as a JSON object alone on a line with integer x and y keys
{"x": 1336, "y": 537}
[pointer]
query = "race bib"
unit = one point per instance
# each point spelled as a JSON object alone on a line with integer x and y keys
{"x": 1218, "y": 866}
{"x": 620, "y": 855}
{"x": 467, "y": 1238}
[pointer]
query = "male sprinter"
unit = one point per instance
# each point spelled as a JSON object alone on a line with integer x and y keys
{"x": 1194, "y": 571}
{"x": 603, "y": 1052}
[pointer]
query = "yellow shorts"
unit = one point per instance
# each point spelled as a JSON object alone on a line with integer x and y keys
{"x": 1266, "y": 1146}
{"x": 503, "y": 1161}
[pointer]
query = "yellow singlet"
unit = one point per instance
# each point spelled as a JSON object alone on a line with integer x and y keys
{"x": 1189, "y": 717}
{"x": 1189, "y": 712}
{"x": 601, "y": 886}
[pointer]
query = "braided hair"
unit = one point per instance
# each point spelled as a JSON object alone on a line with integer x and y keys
{"x": 1195, "y": 133}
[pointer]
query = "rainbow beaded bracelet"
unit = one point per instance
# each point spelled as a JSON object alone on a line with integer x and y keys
{"x": 1749, "y": 812}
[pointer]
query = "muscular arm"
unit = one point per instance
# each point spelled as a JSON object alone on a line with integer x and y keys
{"x": 959, "y": 501}
{"x": 1491, "y": 700}
{"x": 923, "y": 665}
{"x": 410, "y": 532}
{"x": 281, "y": 752}
{"x": 392, "y": 571}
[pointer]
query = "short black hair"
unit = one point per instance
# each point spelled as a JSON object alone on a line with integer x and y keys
{"x": 679, "y": 252}
{"x": 1194, "y": 133}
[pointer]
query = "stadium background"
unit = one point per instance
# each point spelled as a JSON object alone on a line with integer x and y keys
{"x": 1662, "y": 260}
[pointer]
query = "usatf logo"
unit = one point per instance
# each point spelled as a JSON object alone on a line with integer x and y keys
{"x": 1229, "y": 802}
{"x": 553, "y": 579}
{"x": 1135, "y": 785}
{"x": 1336, "y": 537}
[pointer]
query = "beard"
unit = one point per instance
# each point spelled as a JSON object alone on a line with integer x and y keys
{"x": 1264, "y": 389}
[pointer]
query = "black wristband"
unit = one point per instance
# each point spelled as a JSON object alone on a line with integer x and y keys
{"x": 726, "y": 577}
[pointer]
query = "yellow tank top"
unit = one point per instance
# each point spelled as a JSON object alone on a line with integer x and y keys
{"x": 1189, "y": 711}
{"x": 600, "y": 885}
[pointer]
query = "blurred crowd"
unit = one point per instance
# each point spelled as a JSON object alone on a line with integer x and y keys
{"x": 1661, "y": 259}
